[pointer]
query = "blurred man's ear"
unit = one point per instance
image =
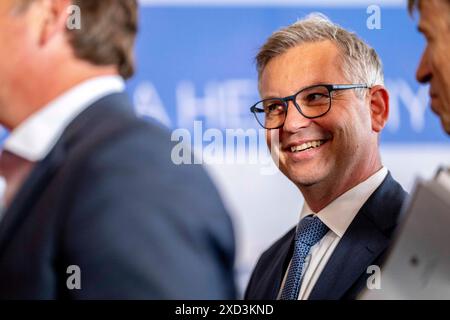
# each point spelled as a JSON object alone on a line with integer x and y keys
{"x": 53, "y": 20}
{"x": 379, "y": 107}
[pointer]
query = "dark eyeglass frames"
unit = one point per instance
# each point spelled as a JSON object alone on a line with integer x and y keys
{"x": 312, "y": 102}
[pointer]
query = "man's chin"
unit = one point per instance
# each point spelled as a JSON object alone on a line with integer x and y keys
{"x": 305, "y": 176}
{"x": 446, "y": 125}
{"x": 305, "y": 184}
{"x": 304, "y": 180}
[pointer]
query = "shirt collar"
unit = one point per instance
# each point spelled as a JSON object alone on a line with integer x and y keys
{"x": 339, "y": 214}
{"x": 36, "y": 136}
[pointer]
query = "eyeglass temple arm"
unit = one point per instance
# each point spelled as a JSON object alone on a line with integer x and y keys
{"x": 349, "y": 86}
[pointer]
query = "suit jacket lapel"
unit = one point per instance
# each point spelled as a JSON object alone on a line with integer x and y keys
{"x": 30, "y": 190}
{"x": 364, "y": 241}
{"x": 361, "y": 245}
{"x": 43, "y": 171}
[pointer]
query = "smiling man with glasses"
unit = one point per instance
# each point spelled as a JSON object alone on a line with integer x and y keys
{"x": 323, "y": 95}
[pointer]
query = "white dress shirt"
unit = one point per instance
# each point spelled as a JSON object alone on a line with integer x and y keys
{"x": 37, "y": 135}
{"x": 34, "y": 138}
{"x": 337, "y": 216}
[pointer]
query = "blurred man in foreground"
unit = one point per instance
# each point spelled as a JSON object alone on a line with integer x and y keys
{"x": 94, "y": 206}
{"x": 323, "y": 95}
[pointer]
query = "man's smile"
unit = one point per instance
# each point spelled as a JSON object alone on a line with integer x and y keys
{"x": 307, "y": 145}
{"x": 306, "y": 148}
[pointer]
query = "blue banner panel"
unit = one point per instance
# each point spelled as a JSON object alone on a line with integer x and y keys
{"x": 197, "y": 63}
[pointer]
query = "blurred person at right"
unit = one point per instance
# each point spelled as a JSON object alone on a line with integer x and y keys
{"x": 434, "y": 67}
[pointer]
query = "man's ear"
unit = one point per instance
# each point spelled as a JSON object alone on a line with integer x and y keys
{"x": 54, "y": 19}
{"x": 379, "y": 107}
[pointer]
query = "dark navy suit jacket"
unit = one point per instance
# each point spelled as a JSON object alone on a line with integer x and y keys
{"x": 109, "y": 200}
{"x": 345, "y": 274}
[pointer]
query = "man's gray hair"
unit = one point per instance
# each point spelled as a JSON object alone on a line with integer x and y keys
{"x": 360, "y": 62}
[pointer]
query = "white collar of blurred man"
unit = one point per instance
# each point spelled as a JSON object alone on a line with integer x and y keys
{"x": 34, "y": 138}
{"x": 349, "y": 132}
{"x": 434, "y": 67}
{"x": 40, "y": 59}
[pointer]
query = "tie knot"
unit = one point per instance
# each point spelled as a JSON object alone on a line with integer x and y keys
{"x": 310, "y": 230}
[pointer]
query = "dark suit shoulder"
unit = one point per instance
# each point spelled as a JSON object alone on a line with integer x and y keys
{"x": 384, "y": 205}
{"x": 132, "y": 211}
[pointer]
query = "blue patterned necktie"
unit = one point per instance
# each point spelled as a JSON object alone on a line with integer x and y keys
{"x": 310, "y": 230}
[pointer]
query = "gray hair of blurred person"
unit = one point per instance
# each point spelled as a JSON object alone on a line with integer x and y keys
{"x": 360, "y": 62}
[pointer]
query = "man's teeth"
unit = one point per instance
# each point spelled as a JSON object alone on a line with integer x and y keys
{"x": 307, "y": 145}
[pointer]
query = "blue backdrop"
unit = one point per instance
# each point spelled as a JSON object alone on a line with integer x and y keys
{"x": 196, "y": 62}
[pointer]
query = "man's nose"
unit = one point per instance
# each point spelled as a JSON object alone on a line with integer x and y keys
{"x": 423, "y": 73}
{"x": 294, "y": 119}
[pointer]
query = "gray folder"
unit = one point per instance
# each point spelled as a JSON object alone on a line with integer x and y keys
{"x": 418, "y": 263}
